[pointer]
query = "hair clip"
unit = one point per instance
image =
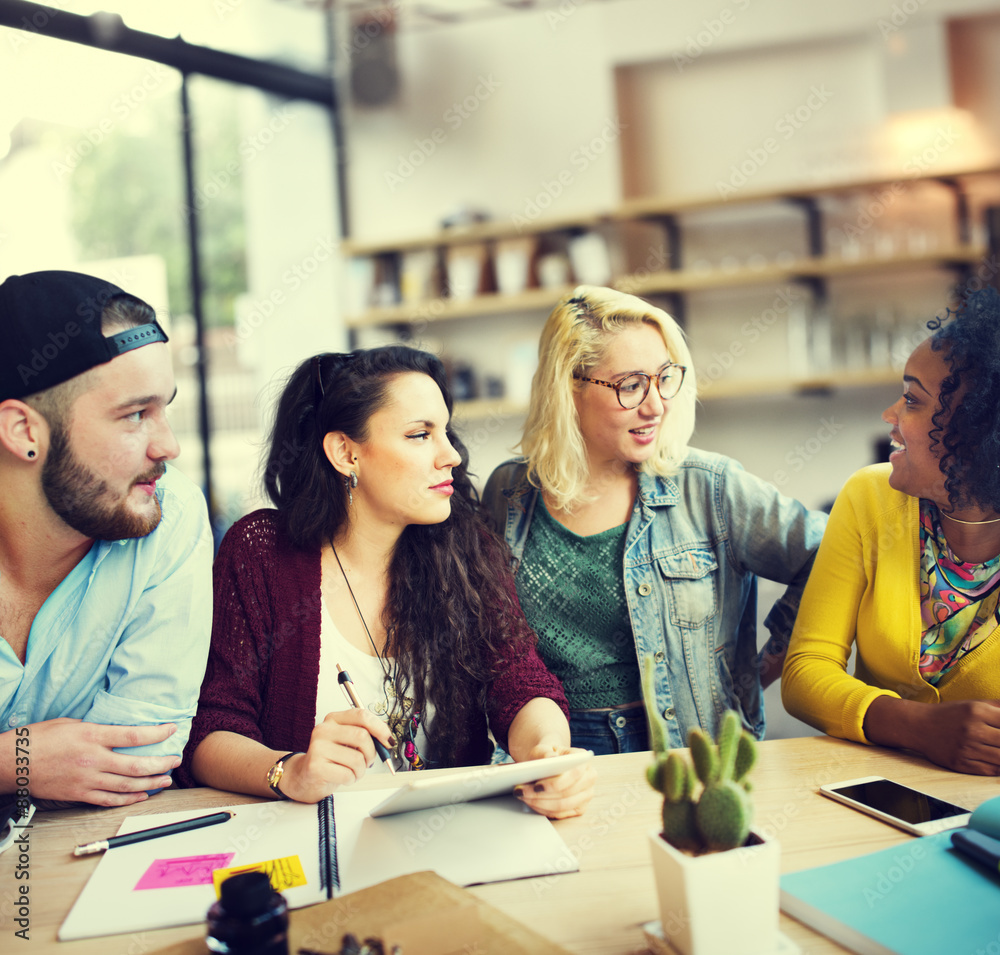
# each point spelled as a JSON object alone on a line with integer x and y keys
{"x": 317, "y": 363}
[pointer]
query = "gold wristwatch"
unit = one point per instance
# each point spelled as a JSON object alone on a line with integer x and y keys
{"x": 275, "y": 773}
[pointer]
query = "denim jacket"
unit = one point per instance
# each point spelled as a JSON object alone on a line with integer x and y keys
{"x": 694, "y": 547}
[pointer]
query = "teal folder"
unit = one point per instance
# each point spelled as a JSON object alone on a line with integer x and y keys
{"x": 922, "y": 897}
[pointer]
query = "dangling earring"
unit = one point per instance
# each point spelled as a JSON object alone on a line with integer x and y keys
{"x": 351, "y": 482}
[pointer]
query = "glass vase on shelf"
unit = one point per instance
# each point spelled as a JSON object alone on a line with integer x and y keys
{"x": 799, "y": 363}
{"x": 820, "y": 340}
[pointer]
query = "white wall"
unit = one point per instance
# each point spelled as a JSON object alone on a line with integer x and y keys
{"x": 551, "y": 90}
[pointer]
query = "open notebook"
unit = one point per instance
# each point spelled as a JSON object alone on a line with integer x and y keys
{"x": 312, "y": 853}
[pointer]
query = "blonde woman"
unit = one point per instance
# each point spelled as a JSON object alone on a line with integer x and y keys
{"x": 630, "y": 544}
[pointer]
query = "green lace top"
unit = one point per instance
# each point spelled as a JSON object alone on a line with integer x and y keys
{"x": 572, "y": 590}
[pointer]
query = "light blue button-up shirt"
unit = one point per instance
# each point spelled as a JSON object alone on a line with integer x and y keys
{"x": 695, "y": 545}
{"x": 124, "y": 638}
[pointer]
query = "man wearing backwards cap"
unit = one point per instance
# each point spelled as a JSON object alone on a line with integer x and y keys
{"x": 105, "y": 553}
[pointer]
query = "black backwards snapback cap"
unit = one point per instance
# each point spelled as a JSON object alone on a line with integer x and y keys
{"x": 50, "y": 330}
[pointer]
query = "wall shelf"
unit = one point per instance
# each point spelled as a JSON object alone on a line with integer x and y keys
{"x": 721, "y": 389}
{"x": 442, "y": 309}
{"x": 682, "y": 280}
{"x": 653, "y": 230}
{"x": 650, "y": 208}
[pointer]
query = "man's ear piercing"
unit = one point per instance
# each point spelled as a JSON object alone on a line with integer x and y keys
{"x": 31, "y": 454}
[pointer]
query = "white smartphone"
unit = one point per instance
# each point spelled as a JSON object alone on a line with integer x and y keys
{"x": 916, "y": 812}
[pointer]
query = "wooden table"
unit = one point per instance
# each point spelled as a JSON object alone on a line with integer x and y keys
{"x": 598, "y": 910}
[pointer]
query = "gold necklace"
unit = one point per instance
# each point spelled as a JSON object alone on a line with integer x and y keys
{"x": 995, "y": 520}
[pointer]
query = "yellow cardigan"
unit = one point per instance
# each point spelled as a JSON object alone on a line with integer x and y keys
{"x": 865, "y": 588}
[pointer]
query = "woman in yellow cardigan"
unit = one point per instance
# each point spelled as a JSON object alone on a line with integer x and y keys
{"x": 909, "y": 567}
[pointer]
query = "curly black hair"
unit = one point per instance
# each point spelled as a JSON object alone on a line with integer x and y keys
{"x": 450, "y": 609}
{"x": 967, "y": 424}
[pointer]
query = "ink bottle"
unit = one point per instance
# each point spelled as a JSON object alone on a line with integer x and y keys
{"x": 249, "y": 918}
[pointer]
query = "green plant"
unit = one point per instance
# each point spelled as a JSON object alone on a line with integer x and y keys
{"x": 707, "y": 805}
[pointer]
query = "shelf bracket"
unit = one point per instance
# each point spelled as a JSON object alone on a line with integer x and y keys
{"x": 814, "y": 223}
{"x": 672, "y": 231}
{"x": 963, "y": 277}
{"x": 817, "y": 286}
{"x": 673, "y": 303}
{"x": 962, "y": 217}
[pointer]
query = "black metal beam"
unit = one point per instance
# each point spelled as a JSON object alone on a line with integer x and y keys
{"x": 962, "y": 214}
{"x": 107, "y": 31}
{"x": 339, "y": 136}
{"x": 814, "y": 224}
{"x": 197, "y": 289}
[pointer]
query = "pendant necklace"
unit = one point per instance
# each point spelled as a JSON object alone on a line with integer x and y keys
{"x": 407, "y": 748}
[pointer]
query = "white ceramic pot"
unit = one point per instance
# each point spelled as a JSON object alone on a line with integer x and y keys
{"x": 719, "y": 903}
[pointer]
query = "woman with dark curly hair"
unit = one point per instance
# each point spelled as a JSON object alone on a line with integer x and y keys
{"x": 375, "y": 560}
{"x": 909, "y": 569}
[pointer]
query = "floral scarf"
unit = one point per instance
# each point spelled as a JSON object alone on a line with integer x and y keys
{"x": 956, "y": 599}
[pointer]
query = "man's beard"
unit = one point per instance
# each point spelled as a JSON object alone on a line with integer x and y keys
{"x": 75, "y": 494}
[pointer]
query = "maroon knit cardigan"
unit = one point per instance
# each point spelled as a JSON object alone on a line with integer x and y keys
{"x": 263, "y": 666}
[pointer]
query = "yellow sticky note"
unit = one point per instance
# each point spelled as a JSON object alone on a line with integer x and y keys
{"x": 283, "y": 873}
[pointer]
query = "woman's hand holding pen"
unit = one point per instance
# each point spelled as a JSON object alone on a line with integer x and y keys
{"x": 562, "y": 796}
{"x": 340, "y": 750}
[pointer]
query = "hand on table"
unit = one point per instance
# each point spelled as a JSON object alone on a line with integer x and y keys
{"x": 340, "y": 750}
{"x": 68, "y": 760}
{"x": 964, "y": 736}
{"x": 562, "y": 796}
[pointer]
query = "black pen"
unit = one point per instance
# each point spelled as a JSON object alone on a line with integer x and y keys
{"x": 344, "y": 679}
{"x": 184, "y": 825}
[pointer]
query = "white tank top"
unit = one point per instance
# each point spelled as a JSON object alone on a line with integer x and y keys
{"x": 368, "y": 678}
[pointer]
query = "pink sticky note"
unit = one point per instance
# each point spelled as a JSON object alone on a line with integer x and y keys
{"x": 187, "y": 870}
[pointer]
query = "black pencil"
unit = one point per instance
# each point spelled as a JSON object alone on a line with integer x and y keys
{"x": 168, "y": 830}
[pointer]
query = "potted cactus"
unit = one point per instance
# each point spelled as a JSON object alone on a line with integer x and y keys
{"x": 706, "y": 850}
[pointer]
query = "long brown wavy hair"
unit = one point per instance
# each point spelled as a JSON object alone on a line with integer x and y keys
{"x": 449, "y": 614}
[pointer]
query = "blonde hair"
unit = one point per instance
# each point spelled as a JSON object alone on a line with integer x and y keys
{"x": 573, "y": 341}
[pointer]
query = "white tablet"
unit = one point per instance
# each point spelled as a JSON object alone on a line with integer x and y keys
{"x": 426, "y": 792}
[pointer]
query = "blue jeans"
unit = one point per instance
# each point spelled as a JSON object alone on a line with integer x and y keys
{"x": 615, "y": 731}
